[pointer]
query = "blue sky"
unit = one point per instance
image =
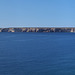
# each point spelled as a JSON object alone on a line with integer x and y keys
{"x": 37, "y": 13}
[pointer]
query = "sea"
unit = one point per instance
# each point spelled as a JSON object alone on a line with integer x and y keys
{"x": 37, "y": 53}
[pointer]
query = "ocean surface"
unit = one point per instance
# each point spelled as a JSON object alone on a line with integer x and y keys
{"x": 37, "y": 53}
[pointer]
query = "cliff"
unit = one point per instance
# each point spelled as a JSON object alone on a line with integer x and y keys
{"x": 37, "y": 29}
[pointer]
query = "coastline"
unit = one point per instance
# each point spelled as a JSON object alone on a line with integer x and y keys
{"x": 38, "y": 29}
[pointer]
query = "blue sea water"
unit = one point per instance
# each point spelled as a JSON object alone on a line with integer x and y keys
{"x": 37, "y": 53}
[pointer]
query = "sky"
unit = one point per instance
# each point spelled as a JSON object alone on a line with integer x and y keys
{"x": 37, "y": 13}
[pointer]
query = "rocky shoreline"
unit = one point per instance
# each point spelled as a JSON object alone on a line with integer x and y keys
{"x": 40, "y": 29}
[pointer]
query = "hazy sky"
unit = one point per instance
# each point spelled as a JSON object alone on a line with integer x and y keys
{"x": 37, "y": 13}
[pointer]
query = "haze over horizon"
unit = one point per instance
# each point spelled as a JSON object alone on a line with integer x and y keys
{"x": 40, "y": 13}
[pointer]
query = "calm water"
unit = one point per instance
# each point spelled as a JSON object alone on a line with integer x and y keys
{"x": 37, "y": 53}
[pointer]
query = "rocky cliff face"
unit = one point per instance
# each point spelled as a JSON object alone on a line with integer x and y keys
{"x": 37, "y": 29}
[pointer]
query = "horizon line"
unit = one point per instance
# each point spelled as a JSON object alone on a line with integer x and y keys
{"x": 40, "y": 27}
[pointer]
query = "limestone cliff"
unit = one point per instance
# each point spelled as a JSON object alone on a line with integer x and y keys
{"x": 37, "y": 29}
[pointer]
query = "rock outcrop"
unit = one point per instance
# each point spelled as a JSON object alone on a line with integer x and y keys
{"x": 37, "y": 29}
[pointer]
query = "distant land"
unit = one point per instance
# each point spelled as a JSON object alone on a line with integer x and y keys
{"x": 38, "y": 29}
